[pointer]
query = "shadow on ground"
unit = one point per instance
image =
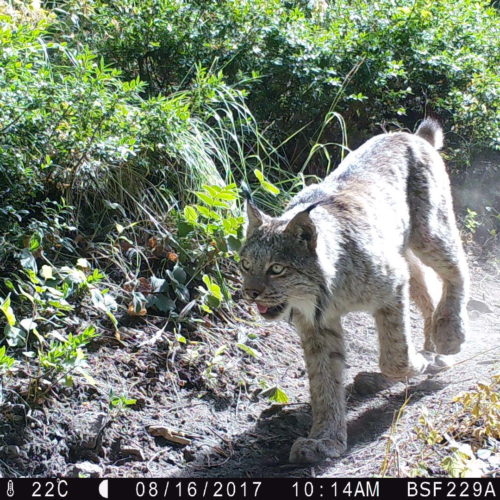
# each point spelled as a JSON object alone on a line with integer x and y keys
{"x": 262, "y": 451}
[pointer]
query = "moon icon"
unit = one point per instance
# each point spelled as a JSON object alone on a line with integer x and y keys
{"x": 103, "y": 488}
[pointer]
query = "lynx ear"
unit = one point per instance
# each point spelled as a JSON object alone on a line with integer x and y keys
{"x": 255, "y": 218}
{"x": 302, "y": 227}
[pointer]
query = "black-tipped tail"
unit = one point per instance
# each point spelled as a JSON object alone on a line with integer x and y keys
{"x": 431, "y": 131}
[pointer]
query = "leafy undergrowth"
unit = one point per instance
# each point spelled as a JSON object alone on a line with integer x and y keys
{"x": 52, "y": 311}
{"x": 119, "y": 208}
{"x": 461, "y": 440}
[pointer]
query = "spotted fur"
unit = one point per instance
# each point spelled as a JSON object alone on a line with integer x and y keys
{"x": 366, "y": 238}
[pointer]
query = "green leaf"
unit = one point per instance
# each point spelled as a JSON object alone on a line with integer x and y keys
{"x": 212, "y": 202}
{"x": 73, "y": 275}
{"x": 8, "y": 312}
{"x": 212, "y": 287}
{"x": 212, "y": 302}
{"x": 159, "y": 284}
{"x": 46, "y": 272}
{"x": 207, "y": 213}
{"x": 179, "y": 274}
{"x": 27, "y": 260}
{"x": 162, "y": 302}
{"x": 28, "y": 324}
{"x": 190, "y": 214}
{"x": 34, "y": 242}
{"x": 259, "y": 175}
{"x": 83, "y": 263}
{"x": 97, "y": 299}
{"x": 233, "y": 243}
{"x": 183, "y": 229}
{"x": 15, "y": 336}
{"x": 5, "y": 361}
{"x": 269, "y": 187}
{"x": 276, "y": 394}
{"x": 219, "y": 193}
{"x": 182, "y": 292}
{"x": 249, "y": 350}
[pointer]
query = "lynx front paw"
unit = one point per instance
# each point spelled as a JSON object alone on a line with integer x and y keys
{"x": 405, "y": 367}
{"x": 308, "y": 451}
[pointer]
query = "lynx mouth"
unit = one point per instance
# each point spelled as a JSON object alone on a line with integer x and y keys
{"x": 270, "y": 312}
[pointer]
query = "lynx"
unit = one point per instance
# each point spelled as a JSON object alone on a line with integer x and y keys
{"x": 366, "y": 238}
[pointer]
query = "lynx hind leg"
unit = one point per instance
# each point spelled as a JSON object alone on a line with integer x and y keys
{"x": 325, "y": 358}
{"x": 425, "y": 291}
{"x": 398, "y": 358}
{"x": 449, "y": 321}
{"x": 436, "y": 242}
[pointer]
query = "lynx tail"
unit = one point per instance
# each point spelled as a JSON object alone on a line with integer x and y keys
{"x": 431, "y": 131}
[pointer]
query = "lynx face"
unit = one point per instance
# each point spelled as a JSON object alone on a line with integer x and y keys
{"x": 278, "y": 263}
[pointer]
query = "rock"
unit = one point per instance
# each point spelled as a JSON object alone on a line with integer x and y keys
{"x": 176, "y": 437}
{"x": 474, "y": 315}
{"x": 86, "y": 469}
{"x": 428, "y": 385}
{"x": 133, "y": 451}
{"x": 89, "y": 427}
{"x": 188, "y": 454}
{"x": 479, "y": 305}
{"x": 437, "y": 362}
{"x": 11, "y": 451}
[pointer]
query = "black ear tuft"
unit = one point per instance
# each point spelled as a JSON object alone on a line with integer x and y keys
{"x": 247, "y": 194}
{"x": 255, "y": 218}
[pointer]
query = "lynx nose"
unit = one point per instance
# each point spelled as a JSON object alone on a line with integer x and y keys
{"x": 252, "y": 293}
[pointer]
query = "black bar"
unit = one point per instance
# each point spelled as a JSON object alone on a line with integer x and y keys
{"x": 251, "y": 488}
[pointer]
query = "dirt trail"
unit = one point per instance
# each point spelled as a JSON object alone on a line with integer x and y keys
{"x": 262, "y": 449}
{"x": 237, "y": 433}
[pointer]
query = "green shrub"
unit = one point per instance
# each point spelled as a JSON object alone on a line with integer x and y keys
{"x": 371, "y": 61}
{"x": 131, "y": 168}
{"x": 73, "y": 126}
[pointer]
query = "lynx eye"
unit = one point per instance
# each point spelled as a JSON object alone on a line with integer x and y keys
{"x": 245, "y": 264}
{"x": 276, "y": 269}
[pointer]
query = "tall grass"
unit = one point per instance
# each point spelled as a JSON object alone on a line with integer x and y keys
{"x": 73, "y": 126}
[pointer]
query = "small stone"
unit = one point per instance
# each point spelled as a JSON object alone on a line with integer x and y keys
{"x": 86, "y": 469}
{"x": 483, "y": 454}
{"x": 11, "y": 451}
{"x": 188, "y": 455}
{"x": 133, "y": 451}
{"x": 479, "y": 305}
{"x": 474, "y": 315}
{"x": 89, "y": 428}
